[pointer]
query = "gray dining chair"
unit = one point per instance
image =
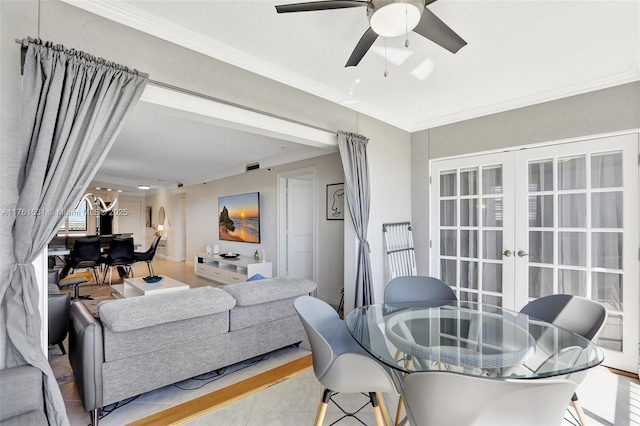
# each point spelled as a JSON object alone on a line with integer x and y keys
{"x": 580, "y": 315}
{"x": 436, "y": 398}
{"x": 340, "y": 364}
{"x": 412, "y": 289}
{"x": 417, "y": 289}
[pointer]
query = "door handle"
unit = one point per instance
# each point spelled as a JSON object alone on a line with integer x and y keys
{"x": 506, "y": 253}
{"x": 521, "y": 253}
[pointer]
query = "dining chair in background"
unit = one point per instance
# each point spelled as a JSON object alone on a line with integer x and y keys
{"x": 580, "y": 315}
{"x": 147, "y": 256}
{"x": 85, "y": 254}
{"x": 120, "y": 256}
{"x": 436, "y": 398}
{"x": 411, "y": 289}
{"x": 340, "y": 364}
{"x": 417, "y": 288}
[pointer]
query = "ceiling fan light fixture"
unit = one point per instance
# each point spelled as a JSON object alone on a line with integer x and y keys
{"x": 394, "y": 18}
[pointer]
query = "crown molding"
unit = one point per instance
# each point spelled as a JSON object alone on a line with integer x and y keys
{"x": 629, "y": 76}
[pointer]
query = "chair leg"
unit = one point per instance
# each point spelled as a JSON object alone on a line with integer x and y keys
{"x": 61, "y": 346}
{"x": 399, "y": 411}
{"x": 383, "y": 409}
{"x": 322, "y": 408}
{"x": 150, "y": 265}
{"x": 95, "y": 416}
{"x": 578, "y": 408}
{"x": 376, "y": 408}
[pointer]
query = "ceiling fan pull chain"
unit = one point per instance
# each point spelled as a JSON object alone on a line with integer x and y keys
{"x": 386, "y": 72}
{"x": 406, "y": 25}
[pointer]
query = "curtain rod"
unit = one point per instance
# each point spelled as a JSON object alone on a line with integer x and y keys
{"x": 207, "y": 97}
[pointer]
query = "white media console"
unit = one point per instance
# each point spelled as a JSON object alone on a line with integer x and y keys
{"x": 228, "y": 271}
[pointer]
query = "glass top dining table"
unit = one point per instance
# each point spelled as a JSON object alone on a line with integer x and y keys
{"x": 469, "y": 338}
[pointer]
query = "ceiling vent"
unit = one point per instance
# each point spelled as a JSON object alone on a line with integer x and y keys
{"x": 252, "y": 166}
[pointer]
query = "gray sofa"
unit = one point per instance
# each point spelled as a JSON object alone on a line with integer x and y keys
{"x": 140, "y": 344}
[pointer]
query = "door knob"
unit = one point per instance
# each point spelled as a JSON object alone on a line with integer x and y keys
{"x": 521, "y": 253}
{"x": 506, "y": 253}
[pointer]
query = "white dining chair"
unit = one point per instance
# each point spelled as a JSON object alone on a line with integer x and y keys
{"x": 435, "y": 398}
{"x": 580, "y": 315}
{"x": 339, "y": 362}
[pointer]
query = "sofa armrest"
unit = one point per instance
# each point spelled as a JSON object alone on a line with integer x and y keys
{"x": 86, "y": 355}
{"x": 21, "y": 394}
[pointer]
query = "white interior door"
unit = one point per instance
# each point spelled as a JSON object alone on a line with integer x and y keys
{"x": 567, "y": 213}
{"x": 131, "y": 221}
{"x": 300, "y": 228}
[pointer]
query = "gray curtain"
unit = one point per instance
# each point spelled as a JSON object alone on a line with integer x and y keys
{"x": 353, "y": 151}
{"x": 73, "y": 106}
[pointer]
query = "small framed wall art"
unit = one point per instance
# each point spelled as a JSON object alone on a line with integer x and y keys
{"x": 335, "y": 201}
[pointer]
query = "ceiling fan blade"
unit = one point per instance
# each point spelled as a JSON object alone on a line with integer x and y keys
{"x": 320, "y": 5}
{"x": 431, "y": 27}
{"x": 367, "y": 39}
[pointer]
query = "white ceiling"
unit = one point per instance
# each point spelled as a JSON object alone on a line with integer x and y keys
{"x": 519, "y": 52}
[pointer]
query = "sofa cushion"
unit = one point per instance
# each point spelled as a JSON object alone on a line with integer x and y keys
{"x": 263, "y": 291}
{"x": 146, "y": 311}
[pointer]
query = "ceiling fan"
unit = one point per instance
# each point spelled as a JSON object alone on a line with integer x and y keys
{"x": 388, "y": 18}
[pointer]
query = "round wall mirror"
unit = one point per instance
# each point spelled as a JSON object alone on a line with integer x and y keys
{"x": 161, "y": 216}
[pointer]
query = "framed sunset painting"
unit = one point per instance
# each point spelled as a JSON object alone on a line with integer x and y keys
{"x": 239, "y": 217}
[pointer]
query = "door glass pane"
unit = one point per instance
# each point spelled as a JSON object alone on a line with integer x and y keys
{"x": 606, "y": 170}
{"x": 469, "y": 243}
{"x": 541, "y": 247}
{"x": 492, "y": 300}
{"x": 448, "y": 241}
{"x": 607, "y": 288}
{"x": 469, "y": 274}
{"x": 448, "y": 271}
{"x": 469, "y": 212}
{"x": 540, "y": 211}
{"x": 492, "y": 180}
{"x": 492, "y": 244}
{"x": 469, "y": 182}
{"x": 571, "y": 173}
{"x": 572, "y": 210}
{"x": 540, "y": 281}
{"x": 572, "y": 282}
{"x": 541, "y": 176}
{"x": 492, "y": 212}
{"x": 606, "y": 250}
{"x": 492, "y": 277}
{"x": 448, "y": 184}
{"x": 611, "y": 334}
{"x": 572, "y": 248}
{"x": 448, "y": 212}
{"x": 606, "y": 210}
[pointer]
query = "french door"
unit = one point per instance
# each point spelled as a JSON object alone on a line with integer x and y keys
{"x": 514, "y": 226}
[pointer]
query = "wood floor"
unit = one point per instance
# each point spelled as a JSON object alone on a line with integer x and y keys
{"x": 217, "y": 399}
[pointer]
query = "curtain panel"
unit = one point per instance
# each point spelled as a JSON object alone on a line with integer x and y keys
{"x": 353, "y": 152}
{"x": 73, "y": 106}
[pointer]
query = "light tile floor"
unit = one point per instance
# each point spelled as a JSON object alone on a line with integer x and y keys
{"x": 607, "y": 398}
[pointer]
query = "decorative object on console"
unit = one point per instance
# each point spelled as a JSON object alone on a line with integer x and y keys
{"x": 335, "y": 201}
{"x": 230, "y": 255}
{"x": 239, "y": 217}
